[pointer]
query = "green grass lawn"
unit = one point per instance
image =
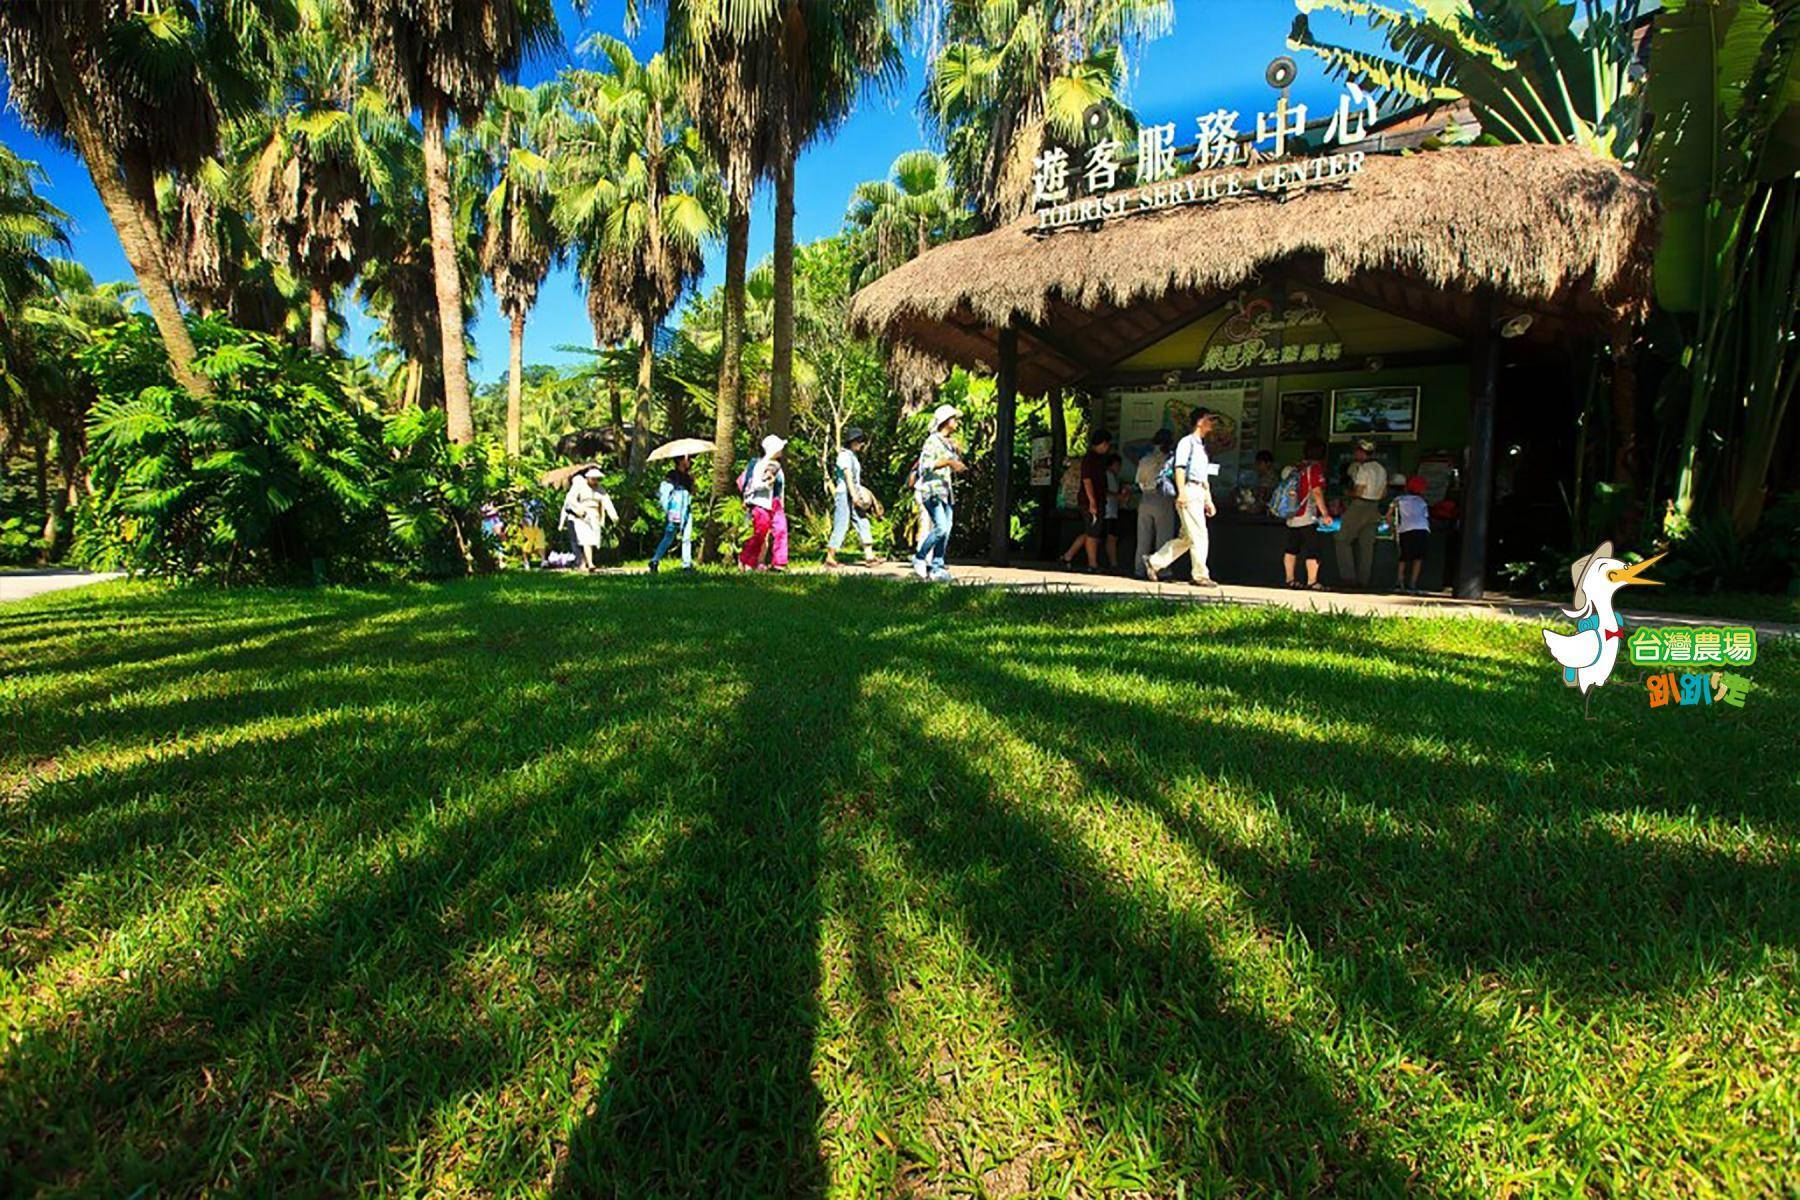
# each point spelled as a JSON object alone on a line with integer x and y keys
{"x": 798, "y": 886}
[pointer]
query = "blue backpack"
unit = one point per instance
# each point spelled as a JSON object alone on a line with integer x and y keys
{"x": 1285, "y": 501}
{"x": 1165, "y": 479}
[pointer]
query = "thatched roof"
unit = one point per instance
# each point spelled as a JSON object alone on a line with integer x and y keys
{"x": 1554, "y": 231}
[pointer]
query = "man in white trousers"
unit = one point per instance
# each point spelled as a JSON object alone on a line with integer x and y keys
{"x": 1193, "y": 503}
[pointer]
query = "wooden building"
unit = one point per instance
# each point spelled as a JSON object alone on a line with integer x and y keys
{"x": 1345, "y": 282}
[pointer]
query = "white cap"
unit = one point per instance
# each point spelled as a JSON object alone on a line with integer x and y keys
{"x": 772, "y": 444}
{"x": 944, "y": 413}
{"x": 592, "y": 473}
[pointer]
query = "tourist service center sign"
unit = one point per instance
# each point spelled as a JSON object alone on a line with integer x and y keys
{"x": 1227, "y": 164}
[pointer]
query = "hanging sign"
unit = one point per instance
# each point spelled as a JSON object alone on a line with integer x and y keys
{"x": 1270, "y": 330}
{"x": 1226, "y": 163}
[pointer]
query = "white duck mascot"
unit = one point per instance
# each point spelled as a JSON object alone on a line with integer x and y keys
{"x": 1587, "y": 655}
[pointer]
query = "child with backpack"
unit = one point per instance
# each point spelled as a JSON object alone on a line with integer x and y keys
{"x": 1299, "y": 502}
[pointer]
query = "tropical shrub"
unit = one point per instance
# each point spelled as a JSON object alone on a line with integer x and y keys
{"x": 272, "y": 476}
{"x": 287, "y": 471}
{"x": 432, "y": 492}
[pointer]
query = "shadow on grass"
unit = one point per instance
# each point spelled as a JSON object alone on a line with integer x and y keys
{"x": 429, "y": 867}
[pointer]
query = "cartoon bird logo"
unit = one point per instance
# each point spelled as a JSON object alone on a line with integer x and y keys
{"x": 1587, "y": 655}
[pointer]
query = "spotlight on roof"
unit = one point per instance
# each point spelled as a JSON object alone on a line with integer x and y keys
{"x": 1515, "y": 326}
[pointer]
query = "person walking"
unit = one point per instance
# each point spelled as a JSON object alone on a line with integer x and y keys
{"x": 1192, "y": 473}
{"x": 850, "y": 500}
{"x": 1092, "y": 502}
{"x": 1156, "y": 509}
{"x": 1368, "y": 488}
{"x": 675, "y": 495}
{"x": 940, "y": 460}
{"x": 763, "y": 484}
{"x": 581, "y": 514}
{"x": 1303, "y": 524}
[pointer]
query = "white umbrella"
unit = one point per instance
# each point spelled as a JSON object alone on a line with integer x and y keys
{"x": 680, "y": 448}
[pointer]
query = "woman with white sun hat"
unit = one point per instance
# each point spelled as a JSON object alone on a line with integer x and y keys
{"x": 939, "y": 461}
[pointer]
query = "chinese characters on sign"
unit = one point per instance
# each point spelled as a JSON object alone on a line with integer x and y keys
{"x": 1265, "y": 331}
{"x": 1690, "y": 690}
{"x": 1695, "y": 646}
{"x": 1218, "y": 145}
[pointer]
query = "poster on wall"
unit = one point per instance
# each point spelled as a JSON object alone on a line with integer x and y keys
{"x": 1237, "y": 412}
{"x": 1141, "y": 414}
{"x": 1381, "y": 414}
{"x": 1232, "y": 446}
{"x": 1301, "y": 416}
{"x": 1040, "y": 461}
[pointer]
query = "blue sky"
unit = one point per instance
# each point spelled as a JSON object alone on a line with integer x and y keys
{"x": 1214, "y": 57}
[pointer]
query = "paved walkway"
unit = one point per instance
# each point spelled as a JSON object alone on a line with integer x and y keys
{"x": 18, "y": 585}
{"x": 1037, "y": 577}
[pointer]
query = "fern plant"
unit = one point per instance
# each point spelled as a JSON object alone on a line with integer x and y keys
{"x": 270, "y": 476}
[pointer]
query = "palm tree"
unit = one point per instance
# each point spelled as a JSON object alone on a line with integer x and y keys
{"x": 397, "y": 280}
{"x": 1528, "y": 72}
{"x": 214, "y": 259}
{"x": 894, "y": 220}
{"x": 1012, "y": 74}
{"x": 728, "y": 54}
{"x": 51, "y": 325}
{"x": 519, "y": 134}
{"x": 445, "y": 57}
{"x": 138, "y": 87}
{"x": 640, "y": 195}
{"x": 830, "y": 50}
{"x": 309, "y": 159}
{"x": 30, "y": 227}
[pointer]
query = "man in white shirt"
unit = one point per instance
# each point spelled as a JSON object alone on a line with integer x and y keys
{"x": 1193, "y": 504}
{"x": 1368, "y": 489}
{"x": 1156, "y": 512}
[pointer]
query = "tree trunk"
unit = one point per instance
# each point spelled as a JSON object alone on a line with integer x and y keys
{"x": 515, "y": 387}
{"x": 781, "y": 357}
{"x": 64, "y": 499}
{"x": 616, "y": 406}
{"x": 415, "y": 381}
{"x": 446, "y": 275}
{"x": 40, "y": 463}
{"x": 640, "y": 414}
{"x": 731, "y": 365}
{"x": 139, "y": 230}
{"x": 321, "y": 310}
{"x": 677, "y": 413}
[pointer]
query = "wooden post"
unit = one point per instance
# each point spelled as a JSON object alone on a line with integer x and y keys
{"x": 1478, "y": 484}
{"x": 1006, "y": 393}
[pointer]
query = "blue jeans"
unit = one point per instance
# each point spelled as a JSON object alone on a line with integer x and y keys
{"x": 936, "y": 539}
{"x": 686, "y": 530}
{"x": 843, "y": 516}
